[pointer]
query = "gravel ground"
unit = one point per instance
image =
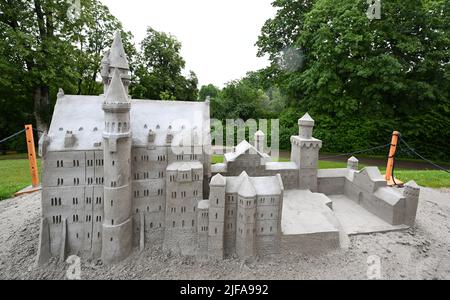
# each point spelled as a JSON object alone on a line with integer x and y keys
{"x": 420, "y": 253}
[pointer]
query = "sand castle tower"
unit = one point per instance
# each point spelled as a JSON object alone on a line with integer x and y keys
{"x": 115, "y": 59}
{"x": 117, "y": 226}
{"x": 305, "y": 152}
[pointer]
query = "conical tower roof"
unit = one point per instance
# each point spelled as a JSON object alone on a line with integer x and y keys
{"x": 116, "y": 91}
{"x": 353, "y": 159}
{"x": 306, "y": 120}
{"x": 218, "y": 180}
{"x": 117, "y": 55}
{"x": 246, "y": 190}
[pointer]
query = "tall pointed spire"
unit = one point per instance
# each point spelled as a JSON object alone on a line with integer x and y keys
{"x": 105, "y": 65}
{"x": 116, "y": 91}
{"x": 117, "y": 56}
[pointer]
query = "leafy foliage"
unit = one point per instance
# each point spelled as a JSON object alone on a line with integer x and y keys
{"x": 361, "y": 79}
{"x": 158, "y": 75}
{"x": 44, "y": 49}
{"x": 208, "y": 91}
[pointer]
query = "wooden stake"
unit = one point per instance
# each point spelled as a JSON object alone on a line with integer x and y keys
{"x": 33, "y": 164}
{"x": 391, "y": 160}
{"x": 32, "y": 156}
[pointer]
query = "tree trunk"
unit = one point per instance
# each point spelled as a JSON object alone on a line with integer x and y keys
{"x": 41, "y": 105}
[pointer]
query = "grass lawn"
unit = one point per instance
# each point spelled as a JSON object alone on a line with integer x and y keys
{"x": 432, "y": 179}
{"x": 15, "y": 174}
{"x": 14, "y": 156}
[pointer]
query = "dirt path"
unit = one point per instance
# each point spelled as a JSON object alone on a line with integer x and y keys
{"x": 420, "y": 253}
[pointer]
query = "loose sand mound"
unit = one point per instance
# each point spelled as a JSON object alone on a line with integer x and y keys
{"x": 420, "y": 253}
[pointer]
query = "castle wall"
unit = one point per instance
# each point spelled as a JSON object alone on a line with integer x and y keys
{"x": 290, "y": 177}
{"x": 246, "y": 231}
{"x": 331, "y": 185}
{"x": 78, "y": 202}
{"x": 248, "y": 162}
{"x": 251, "y": 164}
{"x": 268, "y": 225}
{"x": 203, "y": 230}
{"x": 383, "y": 202}
{"x": 184, "y": 191}
{"x": 231, "y": 212}
{"x": 216, "y": 222}
{"x": 97, "y": 221}
{"x": 82, "y": 204}
{"x": 411, "y": 194}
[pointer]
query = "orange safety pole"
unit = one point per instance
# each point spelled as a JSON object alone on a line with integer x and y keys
{"x": 390, "y": 164}
{"x": 32, "y": 155}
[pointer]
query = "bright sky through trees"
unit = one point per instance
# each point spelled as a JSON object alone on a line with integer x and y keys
{"x": 218, "y": 36}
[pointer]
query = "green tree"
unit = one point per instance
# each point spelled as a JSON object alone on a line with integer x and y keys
{"x": 208, "y": 90}
{"x": 95, "y": 36}
{"x": 281, "y": 32}
{"x": 363, "y": 78}
{"x": 238, "y": 100}
{"x": 159, "y": 70}
{"x": 46, "y": 49}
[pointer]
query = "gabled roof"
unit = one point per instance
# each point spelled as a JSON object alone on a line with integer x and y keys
{"x": 249, "y": 187}
{"x": 241, "y": 149}
{"x": 117, "y": 55}
{"x": 84, "y": 116}
{"x": 373, "y": 173}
